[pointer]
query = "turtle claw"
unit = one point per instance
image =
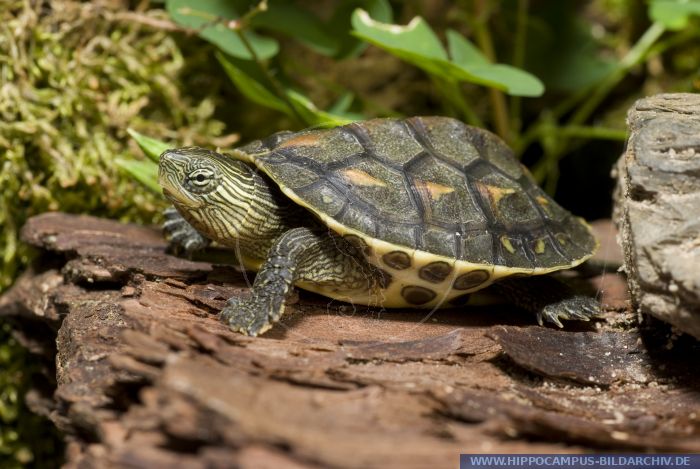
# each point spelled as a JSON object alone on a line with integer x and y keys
{"x": 575, "y": 308}
{"x": 246, "y": 316}
{"x": 182, "y": 237}
{"x": 550, "y": 314}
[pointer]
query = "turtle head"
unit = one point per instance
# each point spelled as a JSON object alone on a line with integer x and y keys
{"x": 212, "y": 191}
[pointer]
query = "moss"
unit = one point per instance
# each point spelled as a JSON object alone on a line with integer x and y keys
{"x": 73, "y": 76}
{"x": 26, "y": 439}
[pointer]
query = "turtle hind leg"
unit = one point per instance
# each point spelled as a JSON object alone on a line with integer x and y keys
{"x": 548, "y": 298}
{"x": 303, "y": 255}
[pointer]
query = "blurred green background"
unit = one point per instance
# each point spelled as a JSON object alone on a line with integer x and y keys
{"x": 553, "y": 78}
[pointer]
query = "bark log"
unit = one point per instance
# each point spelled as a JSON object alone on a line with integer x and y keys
{"x": 657, "y": 208}
{"x": 147, "y": 377}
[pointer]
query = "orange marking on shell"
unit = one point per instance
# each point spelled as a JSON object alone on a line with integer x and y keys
{"x": 361, "y": 178}
{"x": 433, "y": 189}
{"x": 303, "y": 140}
{"x": 494, "y": 193}
{"x": 544, "y": 203}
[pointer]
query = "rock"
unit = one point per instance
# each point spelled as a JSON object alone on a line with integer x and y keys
{"x": 146, "y": 376}
{"x": 657, "y": 208}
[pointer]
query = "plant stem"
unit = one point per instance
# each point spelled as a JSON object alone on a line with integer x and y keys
{"x": 518, "y": 61}
{"x": 454, "y": 97}
{"x": 547, "y": 167}
{"x": 239, "y": 25}
{"x": 593, "y": 132}
{"x": 498, "y": 101}
{"x": 261, "y": 7}
{"x": 546, "y": 171}
{"x": 642, "y": 49}
{"x": 279, "y": 90}
{"x": 673, "y": 41}
{"x": 536, "y": 132}
{"x": 633, "y": 57}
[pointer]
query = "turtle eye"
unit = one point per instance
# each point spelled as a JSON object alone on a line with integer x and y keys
{"x": 200, "y": 179}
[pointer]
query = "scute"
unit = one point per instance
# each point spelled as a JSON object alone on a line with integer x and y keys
{"x": 505, "y": 202}
{"x": 446, "y": 198}
{"x": 391, "y": 140}
{"x": 325, "y": 198}
{"x": 477, "y": 246}
{"x": 323, "y": 146}
{"x": 429, "y": 185}
{"x": 437, "y": 239}
{"x": 296, "y": 175}
{"x": 381, "y": 183}
{"x": 497, "y": 153}
{"x": 448, "y": 138}
{"x": 399, "y": 234}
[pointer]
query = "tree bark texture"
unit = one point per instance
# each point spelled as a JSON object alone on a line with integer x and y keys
{"x": 657, "y": 208}
{"x": 146, "y": 376}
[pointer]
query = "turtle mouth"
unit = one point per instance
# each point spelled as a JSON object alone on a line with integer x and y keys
{"x": 180, "y": 198}
{"x": 168, "y": 194}
{"x": 172, "y": 189}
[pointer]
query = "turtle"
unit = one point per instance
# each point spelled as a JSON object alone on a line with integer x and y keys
{"x": 418, "y": 212}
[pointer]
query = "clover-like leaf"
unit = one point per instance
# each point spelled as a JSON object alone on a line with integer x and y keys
{"x": 340, "y": 23}
{"x": 463, "y": 52}
{"x": 417, "y": 44}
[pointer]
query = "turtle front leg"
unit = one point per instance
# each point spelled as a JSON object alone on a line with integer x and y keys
{"x": 548, "y": 298}
{"x": 300, "y": 254}
{"x": 182, "y": 237}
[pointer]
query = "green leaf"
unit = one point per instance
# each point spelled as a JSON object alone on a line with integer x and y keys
{"x": 299, "y": 24}
{"x": 209, "y": 17}
{"x": 250, "y": 82}
{"x": 674, "y": 14}
{"x": 340, "y": 24}
{"x": 328, "y": 37}
{"x": 150, "y": 146}
{"x": 510, "y": 79}
{"x": 343, "y": 103}
{"x": 562, "y": 51}
{"x": 417, "y": 44}
{"x": 463, "y": 52}
{"x": 144, "y": 171}
{"x": 413, "y": 42}
{"x": 313, "y": 115}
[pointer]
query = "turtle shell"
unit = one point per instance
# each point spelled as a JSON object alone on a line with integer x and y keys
{"x": 444, "y": 191}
